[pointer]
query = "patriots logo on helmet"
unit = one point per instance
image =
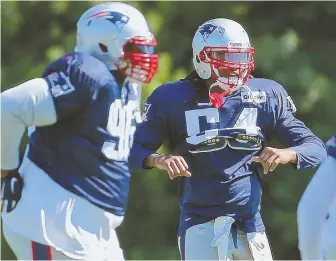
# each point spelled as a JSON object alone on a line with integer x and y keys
{"x": 206, "y": 30}
{"x": 119, "y": 19}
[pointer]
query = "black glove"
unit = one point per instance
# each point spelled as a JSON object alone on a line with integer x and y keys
{"x": 11, "y": 190}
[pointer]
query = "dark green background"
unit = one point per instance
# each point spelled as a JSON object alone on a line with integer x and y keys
{"x": 295, "y": 45}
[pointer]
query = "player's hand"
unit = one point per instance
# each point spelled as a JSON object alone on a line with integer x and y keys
{"x": 270, "y": 158}
{"x": 175, "y": 165}
{"x": 11, "y": 190}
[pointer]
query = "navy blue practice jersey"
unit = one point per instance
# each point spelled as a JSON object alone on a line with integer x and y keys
{"x": 86, "y": 150}
{"x": 218, "y": 145}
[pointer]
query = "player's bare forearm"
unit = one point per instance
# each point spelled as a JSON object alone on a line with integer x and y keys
{"x": 174, "y": 165}
{"x": 270, "y": 158}
{"x": 149, "y": 161}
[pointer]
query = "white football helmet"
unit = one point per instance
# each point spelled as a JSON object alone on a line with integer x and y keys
{"x": 222, "y": 51}
{"x": 118, "y": 35}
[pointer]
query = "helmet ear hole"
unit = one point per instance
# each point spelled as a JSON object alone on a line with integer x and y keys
{"x": 103, "y": 48}
{"x": 197, "y": 59}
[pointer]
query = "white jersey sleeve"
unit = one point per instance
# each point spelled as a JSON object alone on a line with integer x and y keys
{"x": 28, "y": 104}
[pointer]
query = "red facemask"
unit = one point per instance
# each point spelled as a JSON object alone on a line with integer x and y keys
{"x": 230, "y": 66}
{"x": 141, "y": 61}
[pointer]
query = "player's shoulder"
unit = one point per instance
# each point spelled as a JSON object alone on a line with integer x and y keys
{"x": 77, "y": 71}
{"x": 173, "y": 91}
{"x": 271, "y": 88}
{"x": 272, "y": 91}
{"x": 78, "y": 64}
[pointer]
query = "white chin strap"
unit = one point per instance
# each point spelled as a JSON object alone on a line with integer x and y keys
{"x": 219, "y": 84}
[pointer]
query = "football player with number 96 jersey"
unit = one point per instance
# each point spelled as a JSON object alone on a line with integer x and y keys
{"x": 71, "y": 190}
{"x": 218, "y": 121}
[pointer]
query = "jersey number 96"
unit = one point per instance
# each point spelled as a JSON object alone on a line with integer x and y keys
{"x": 121, "y": 125}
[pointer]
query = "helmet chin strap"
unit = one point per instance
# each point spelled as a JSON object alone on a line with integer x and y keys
{"x": 217, "y": 100}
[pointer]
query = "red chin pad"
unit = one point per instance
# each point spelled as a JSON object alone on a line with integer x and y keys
{"x": 216, "y": 100}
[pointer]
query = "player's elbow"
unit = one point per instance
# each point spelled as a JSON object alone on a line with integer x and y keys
{"x": 320, "y": 152}
{"x": 311, "y": 152}
{"x": 323, "y": 156}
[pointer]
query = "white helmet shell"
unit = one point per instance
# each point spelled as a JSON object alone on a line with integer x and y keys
{"x": 218, "y": 32}
{"x": 103, "y": 31}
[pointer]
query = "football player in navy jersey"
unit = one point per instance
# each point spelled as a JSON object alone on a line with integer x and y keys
{"x": 71, "y": 190}
{"x": 218, "y": 121}
{"x": 317, "y": 211}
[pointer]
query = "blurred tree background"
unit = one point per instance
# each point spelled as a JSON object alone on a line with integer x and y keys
{"x": 295, "y": 45}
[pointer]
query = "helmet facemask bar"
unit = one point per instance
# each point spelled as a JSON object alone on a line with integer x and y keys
{"x": 138, "y": 60}
{"x": 230, "y": 66}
